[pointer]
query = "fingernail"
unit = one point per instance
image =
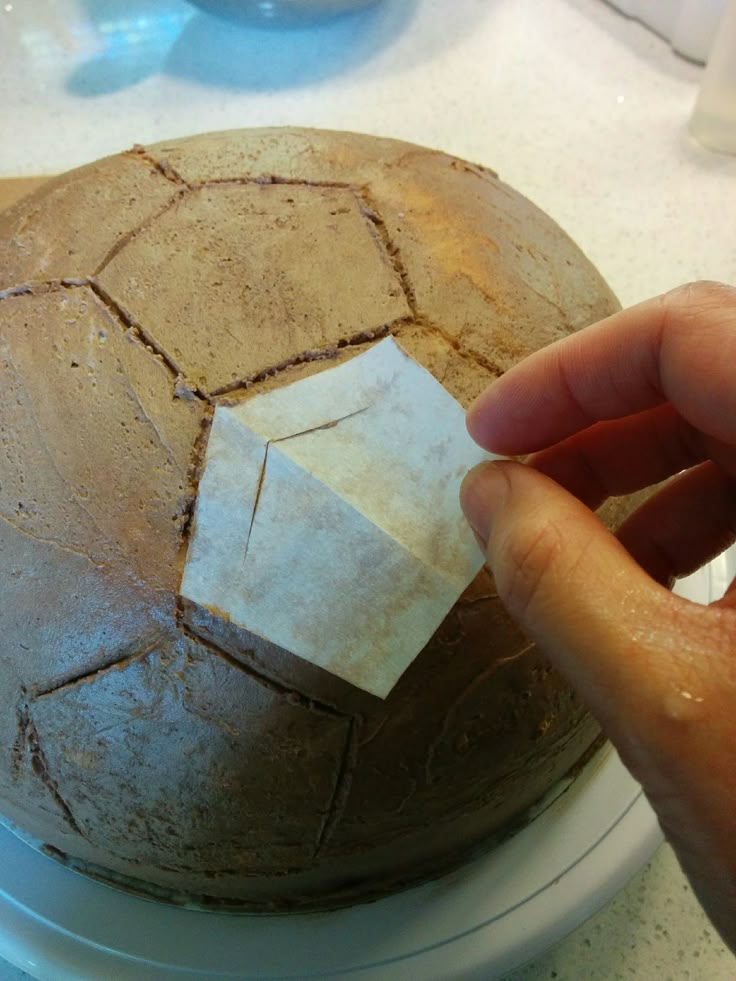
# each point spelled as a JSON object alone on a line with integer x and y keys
{"x": 481, "y": 492}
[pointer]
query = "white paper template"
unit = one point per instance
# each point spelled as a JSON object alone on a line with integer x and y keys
{"x": 327, "y": 517}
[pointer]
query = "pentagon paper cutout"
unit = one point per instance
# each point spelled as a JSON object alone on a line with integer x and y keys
{"x": 328, "y": 520}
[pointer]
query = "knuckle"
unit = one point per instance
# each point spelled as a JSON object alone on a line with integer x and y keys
{"x": 530, "y": 555}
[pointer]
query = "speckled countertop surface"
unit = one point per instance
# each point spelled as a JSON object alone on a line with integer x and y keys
{"x": 576, "y": 106}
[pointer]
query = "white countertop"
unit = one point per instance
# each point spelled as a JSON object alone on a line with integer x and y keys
{"x": 579, "y": 108}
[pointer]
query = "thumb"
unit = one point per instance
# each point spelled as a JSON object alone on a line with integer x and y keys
{"x": 658, "y": 671}
{"x": 626, "y": 643}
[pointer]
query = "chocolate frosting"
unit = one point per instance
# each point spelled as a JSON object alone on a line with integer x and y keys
{"x": 150, "y": 741}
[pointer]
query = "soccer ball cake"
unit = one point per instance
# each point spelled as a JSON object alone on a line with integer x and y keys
{"x": 155, "y": 741}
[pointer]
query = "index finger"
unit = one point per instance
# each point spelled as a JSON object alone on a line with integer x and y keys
{"x": 679, "y": 347}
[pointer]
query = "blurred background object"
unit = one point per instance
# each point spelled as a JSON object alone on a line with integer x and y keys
{"x": 280, "y": 12}
{"x": 713, "y": 122}
{"x": 689, "y": 25}
{"x": 71, "y": 50}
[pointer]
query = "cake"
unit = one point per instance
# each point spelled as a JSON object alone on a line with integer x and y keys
{"x": 155, "y": 743}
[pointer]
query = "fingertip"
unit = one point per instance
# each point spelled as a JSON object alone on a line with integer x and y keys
{"x": 503, "y": 418}
{"x": 474, "y": 417}
{"x": 486, "y": 421}
{"x": 480, "y": 494}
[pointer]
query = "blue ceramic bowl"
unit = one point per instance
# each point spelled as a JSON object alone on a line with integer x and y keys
{"x": 281, "y": 12}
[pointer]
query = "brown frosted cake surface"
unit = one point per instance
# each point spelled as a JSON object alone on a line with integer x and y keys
{"x": 142, "y": 736}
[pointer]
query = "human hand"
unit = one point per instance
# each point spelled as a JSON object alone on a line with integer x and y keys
{"x": 621, "y": 405}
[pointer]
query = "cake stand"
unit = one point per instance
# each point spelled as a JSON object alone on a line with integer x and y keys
{"x": 471, "y": 925}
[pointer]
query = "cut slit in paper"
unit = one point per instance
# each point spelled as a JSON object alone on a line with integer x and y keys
{"x": 269, "y": 444}
{"x": 328, "y": 520}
